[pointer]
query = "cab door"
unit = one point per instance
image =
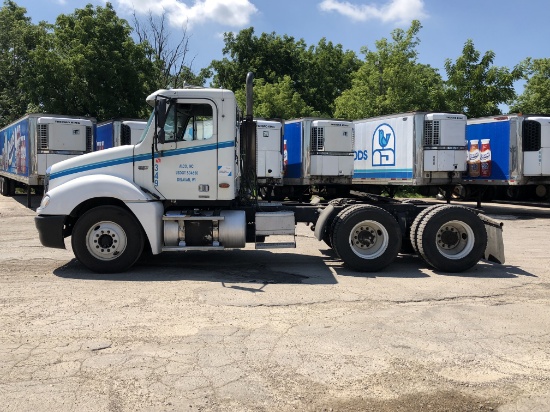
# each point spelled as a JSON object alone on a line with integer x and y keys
{"x": 185, "y": 165}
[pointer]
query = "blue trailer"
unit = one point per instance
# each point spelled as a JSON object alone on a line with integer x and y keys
{"x": 507, "y": 156}
{"x": 118, "y": 132}
{"x": 35, "y": 142}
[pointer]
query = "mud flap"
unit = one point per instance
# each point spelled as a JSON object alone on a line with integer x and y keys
{"x": 494, "y": 252}
{"x": 322, "y": 221}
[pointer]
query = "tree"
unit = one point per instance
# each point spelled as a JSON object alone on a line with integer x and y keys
{"x": 18, "y": 37}
{"x": 276, "y": 100}
{"x": 318, "y": 73}
{"x": 327, "y": 73}
{"x": 172, "y": 68}
{"x": 90, "y": 65}
{"x": 475, "y": 87}
{"x": 535, "y": 97}
{"x": 269, "y": 56}
{"x": 390, "y": 80}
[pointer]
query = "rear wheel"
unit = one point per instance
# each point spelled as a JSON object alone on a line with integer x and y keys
{"x": 107, "y": 239}
{"x": 366, "y": 238}
{"x": 451, "y": 238}
{"x": 413, "y": 234}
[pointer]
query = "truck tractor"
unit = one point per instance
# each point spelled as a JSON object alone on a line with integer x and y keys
{"x": 191, "y": 184}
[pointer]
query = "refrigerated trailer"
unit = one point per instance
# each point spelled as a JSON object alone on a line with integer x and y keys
{"x": 409, "y": 149}
{"x": 35, "y": 142}
{"x": 508, "y": 156}
{"x": 118, "y": 132}
{"x": 318, "y": 156}
{"x": 269, "y": 159}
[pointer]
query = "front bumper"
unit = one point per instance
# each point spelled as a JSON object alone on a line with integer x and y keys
{"x": 50, "y": 230}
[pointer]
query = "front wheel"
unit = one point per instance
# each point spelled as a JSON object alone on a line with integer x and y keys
{"x": 451, "y": 238}
{"x": 107, "y": 239}
{"x": 366, "y": 238}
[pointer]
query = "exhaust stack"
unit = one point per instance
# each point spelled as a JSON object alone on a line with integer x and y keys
{"x": 248, "y": 147}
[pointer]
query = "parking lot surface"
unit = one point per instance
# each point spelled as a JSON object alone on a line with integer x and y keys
{"x": 282, "y": 330}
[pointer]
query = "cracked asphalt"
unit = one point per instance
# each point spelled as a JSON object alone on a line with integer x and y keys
{"x": 280, "y": 330}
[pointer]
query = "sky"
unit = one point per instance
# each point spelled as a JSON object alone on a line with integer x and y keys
{"x": 513, "y": 30}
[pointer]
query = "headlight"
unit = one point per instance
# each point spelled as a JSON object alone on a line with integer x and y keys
{"x": 45, "y": 202}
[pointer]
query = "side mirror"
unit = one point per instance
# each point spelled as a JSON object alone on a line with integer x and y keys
{"x": 161, "y": 136}
{"x": 161, "y": 112}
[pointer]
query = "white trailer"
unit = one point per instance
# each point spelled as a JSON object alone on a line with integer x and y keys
{"x": 409, "y": 149}
{"x": 318, "y": 157}
{"x": 170, "y": 194}
{"x": 35, "y": 142}
{"x": 269, "y": 160}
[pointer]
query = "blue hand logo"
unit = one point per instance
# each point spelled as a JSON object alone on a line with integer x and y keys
{"x": 383, "y": 138}
{"x": 383, "y": 146}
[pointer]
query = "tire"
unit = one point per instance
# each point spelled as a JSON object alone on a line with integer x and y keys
{"x": 542, "y": 192}
{"x": 451, "y": 238}
{"x": 413, "y": 233}
{"x": 7, "y": 187}
{"x": 515, "y": 192}
{"x": 461, "y": 193}
{"x": 107, "y": 239}
{"x": 367, "y": 238}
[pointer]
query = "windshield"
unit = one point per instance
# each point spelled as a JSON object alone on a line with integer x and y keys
{"x": 151, "y": 118}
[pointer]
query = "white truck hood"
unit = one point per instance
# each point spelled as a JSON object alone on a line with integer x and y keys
{"x": 117, "y": 161}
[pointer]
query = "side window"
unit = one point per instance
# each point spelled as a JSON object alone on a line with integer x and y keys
{"x": 188, "y": 122}
{"x": 199, "y": 124}
{"x": 174, "y": 122}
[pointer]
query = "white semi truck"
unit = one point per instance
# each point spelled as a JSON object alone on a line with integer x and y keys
{"x": 33, "y": 143}
{"x": 171, "y": 193}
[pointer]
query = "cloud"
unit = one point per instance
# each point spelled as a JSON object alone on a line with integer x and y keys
{"x": 397, "y": 11}
{"x": 233, "y": 13}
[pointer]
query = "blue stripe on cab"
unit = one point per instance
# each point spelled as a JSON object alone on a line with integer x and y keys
{"x": 131, "y": 159}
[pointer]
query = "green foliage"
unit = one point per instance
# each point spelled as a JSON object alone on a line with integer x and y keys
{"x": 18, "y": 37}
{"x": 390, "y": 80}
{"x": 327, "y": 73}
{"x": 475, "y": 87}
{"x": 317, "y": 74}
{"x": 269, "y": 56}
{"x": 536, "y": 96}
{"x": 89, "y": 65}
{"x": 276, "y": 100}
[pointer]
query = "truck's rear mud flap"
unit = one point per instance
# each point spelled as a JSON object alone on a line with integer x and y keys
{"x": 494, "y": 252}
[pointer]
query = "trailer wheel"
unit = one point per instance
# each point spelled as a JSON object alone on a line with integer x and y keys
{"x": 107, "y": 239}
{"x": 7, "y": 186}
{"x": 3, "y": 186}
{"x": 367, "y": 238}
{"x": 413, "y": 233}
{"x": 451, "y": 238}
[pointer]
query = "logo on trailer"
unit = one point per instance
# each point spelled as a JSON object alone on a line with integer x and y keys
{"x": 383, "y": 146}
